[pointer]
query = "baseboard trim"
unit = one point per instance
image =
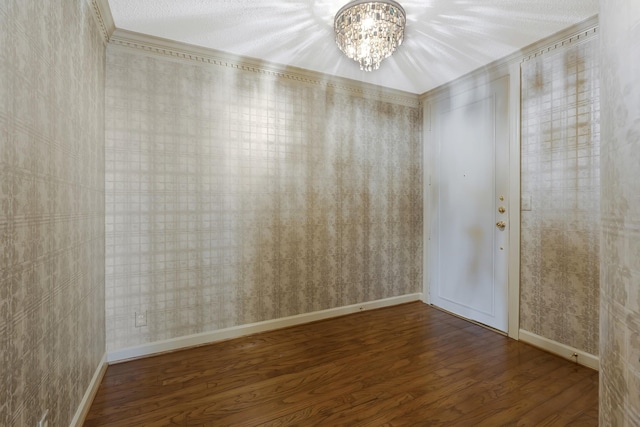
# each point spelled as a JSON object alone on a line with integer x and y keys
{"x": 252, "y": 328}
{"x": 562, "y": 350}
{"x": 89, "y": 394}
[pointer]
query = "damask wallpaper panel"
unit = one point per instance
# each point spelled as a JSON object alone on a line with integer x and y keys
{"x": 560, "y": 235}
{"x": 235, "y": 197}
{"x": 52, "y": 333}
{"x": 620, "y": 210}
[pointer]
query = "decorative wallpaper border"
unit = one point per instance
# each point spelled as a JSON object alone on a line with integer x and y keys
{"x": 187, "y": 52}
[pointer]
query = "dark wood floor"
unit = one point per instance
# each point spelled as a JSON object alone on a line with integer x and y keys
{"x": 409, "y": 365}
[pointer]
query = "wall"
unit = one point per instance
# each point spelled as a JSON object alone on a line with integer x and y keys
{"x": 560, "y": 169}
{"x": 620, "y": 210}
{"x": 51, "y": 208}
{"x": 236, "y": 196}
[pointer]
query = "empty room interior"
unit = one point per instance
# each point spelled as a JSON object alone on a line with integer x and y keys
{"x": 319, "y": 212}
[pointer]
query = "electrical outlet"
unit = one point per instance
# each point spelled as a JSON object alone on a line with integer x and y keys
{"x": 141, "y": 319}
{"x": 44, "y": 421}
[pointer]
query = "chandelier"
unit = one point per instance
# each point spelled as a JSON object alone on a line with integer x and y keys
{"x": 369, "y": 31}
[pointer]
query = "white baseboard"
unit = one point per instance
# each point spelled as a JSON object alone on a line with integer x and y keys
{"x": 562, "y": 350}
{"x": 252, "y": 328}
{"x": 89, "y": 394}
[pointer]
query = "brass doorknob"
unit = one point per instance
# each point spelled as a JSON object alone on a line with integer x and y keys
{"x": 501, "y": 225}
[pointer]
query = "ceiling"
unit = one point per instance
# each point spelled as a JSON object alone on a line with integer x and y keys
{"x": 444, "y": 39}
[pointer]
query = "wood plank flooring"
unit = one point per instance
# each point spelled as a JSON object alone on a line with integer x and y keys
{"x": 408, "y": 365}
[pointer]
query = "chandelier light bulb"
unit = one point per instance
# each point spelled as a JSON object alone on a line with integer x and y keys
{"x": 369, "y": 31}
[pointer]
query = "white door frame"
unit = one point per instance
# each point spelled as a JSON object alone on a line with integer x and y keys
{"x": 514, "y": 199}
{"x": 429, "y": 159}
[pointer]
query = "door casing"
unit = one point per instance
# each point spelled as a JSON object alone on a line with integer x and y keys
{"x": 430, "y": 104}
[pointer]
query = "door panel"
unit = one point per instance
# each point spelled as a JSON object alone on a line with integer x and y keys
{"x": 469, "y": 262}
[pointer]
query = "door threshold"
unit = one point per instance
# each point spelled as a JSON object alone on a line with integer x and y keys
{"x": 497, "y": 331}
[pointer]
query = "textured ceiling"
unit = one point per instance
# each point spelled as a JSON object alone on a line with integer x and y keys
{"x": 444, "y": 39}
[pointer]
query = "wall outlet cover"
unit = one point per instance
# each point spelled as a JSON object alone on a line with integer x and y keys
{"x": 141, "y": 319}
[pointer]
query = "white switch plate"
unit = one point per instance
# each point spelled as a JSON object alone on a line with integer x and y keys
{"x": 525, "y": 202}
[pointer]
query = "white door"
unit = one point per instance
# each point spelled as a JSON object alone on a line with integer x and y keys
{"x": 468, "y": 248}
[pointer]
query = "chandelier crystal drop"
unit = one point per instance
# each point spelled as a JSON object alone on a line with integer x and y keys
{"x": 369, "y": 31}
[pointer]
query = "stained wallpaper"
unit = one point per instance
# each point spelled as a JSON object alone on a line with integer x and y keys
{"x": 234, "y": 197}
{"x": 620, "y": 275}
{"x": 51, "y": 208}
{"x": 560, "y": 234}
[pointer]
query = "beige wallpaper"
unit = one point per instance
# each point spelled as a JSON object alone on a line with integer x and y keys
{"x": 560, "y": 234}
{"x": 620, "y": 275}
{"x": 235, "y": 196}
{"x": 51, "y": 208}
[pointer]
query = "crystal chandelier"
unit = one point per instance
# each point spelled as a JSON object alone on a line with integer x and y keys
{"x": 369, "y": 31}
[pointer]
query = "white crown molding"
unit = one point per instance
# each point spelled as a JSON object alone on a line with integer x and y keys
{"x": 103, "y": 17}
{"x": 574, "y": 34}
{"x": 186, "y": 52}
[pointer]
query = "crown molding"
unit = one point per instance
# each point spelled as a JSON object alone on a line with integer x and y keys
{"x": 201, "y": 55}
{"x": 574, "y": 34}
{"x": 103, "y": 17}
{"x": 585, "y": 30}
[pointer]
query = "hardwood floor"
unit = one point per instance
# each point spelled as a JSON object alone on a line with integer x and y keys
{"x": 408, "y": 365}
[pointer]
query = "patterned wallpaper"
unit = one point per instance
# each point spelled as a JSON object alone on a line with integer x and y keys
{"x": 620, "y": 275}
{"x": 234, "y": 196}
{"x": 51, "y": 208}
{"x": 560, "y": 235}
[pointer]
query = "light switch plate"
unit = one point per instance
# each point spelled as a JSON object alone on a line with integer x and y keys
{"x": 525, "y": 202}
